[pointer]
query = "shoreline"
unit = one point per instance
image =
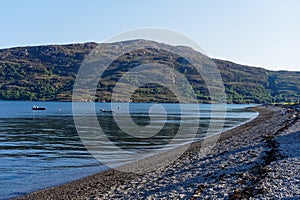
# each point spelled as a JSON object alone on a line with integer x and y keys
{"x": 185, "y": 177}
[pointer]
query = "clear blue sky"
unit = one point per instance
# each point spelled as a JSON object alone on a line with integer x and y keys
{"x": 262, "y": 33}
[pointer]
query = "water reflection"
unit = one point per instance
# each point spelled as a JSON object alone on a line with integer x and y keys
{"x": 36, "y": 148}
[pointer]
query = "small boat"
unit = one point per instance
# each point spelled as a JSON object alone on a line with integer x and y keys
{"x": 38, "y": 108}
{"x": 107, "y": 111}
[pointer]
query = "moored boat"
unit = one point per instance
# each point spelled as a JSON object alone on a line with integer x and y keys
{"x": 38, "y": 108}
{"x": 107, "y": 111}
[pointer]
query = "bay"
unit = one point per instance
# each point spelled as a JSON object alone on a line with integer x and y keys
{"x": 40, "y": 149}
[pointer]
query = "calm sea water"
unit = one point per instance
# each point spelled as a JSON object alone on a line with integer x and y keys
{"x": 40, "y": 149}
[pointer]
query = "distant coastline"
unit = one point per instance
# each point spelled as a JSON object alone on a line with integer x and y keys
{"x": 47, "y": 73}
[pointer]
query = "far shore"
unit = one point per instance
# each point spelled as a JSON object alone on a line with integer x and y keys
{"x": 238, "y": 166}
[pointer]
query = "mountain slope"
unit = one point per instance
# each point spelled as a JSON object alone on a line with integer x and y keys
{"x": 48, "y": 73}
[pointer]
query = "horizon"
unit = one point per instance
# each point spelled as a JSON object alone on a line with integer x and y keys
{"x": 262, "y": 34}
{"x": 223, "y": 59}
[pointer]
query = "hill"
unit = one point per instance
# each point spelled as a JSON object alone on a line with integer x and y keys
{"x": 48, "y": 73}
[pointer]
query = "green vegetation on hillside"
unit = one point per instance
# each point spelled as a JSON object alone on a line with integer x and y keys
{"x": 48, "y": 73}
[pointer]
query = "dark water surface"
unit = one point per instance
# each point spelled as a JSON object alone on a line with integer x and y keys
{"x": 39, "y": 149}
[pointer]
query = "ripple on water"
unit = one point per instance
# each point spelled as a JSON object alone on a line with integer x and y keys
{"x": 43, "y": 149}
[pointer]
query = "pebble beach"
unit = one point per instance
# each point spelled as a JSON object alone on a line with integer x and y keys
{"x": 257, "y": 160}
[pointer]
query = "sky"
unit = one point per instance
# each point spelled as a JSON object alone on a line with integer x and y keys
{"x": 262, "y": 33}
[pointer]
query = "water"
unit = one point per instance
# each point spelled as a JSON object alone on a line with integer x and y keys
{"x": 40, "y": 149}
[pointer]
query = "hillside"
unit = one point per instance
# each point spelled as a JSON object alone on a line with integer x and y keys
{"x": 48, "y": 73}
